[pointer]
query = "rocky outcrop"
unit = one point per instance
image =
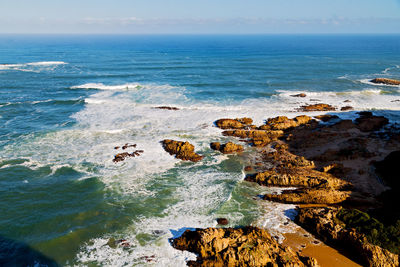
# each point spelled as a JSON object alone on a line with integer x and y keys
{"x": 122, "y": 156}
{"x": 317, "y": 107}
{"x": 283, "y": 122}
{"x": 321, "y": 195}
{"x": 227, "y": 148}
{"x": 233, "y": 123}
{"x": 323, "y": 222}
{"x": 385, "y": 81}
{"x": 181, "y": 150}
{"x": 248, "y": 246}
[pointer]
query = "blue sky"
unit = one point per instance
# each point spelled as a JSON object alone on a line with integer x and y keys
{"x": 201, "y": 16}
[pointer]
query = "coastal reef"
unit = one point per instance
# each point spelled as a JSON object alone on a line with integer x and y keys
{"x": 181, "y": 150}
{"x": 248, "y": 246}
{"x": 343, "y": 175}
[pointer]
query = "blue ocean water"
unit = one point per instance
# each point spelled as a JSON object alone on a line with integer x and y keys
{"x": 67, "y": 100}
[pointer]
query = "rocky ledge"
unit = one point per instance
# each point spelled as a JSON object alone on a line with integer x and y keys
{"x": 181, "y": 150}
{"x": 385, "y": 81}
{"x": 248, "y": 246}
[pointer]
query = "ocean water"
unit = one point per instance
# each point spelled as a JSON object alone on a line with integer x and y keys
{"x": 66, "y": 101}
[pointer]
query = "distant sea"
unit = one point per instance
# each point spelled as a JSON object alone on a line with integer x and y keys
{"x": 67, "y": 100}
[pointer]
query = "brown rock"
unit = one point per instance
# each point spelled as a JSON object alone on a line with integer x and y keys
{"x": 222, "y": 221}
{"x": 299, "y": 95}
{"x": 248, "y": 168}
{"x": 385, "y": 81}
{"x": 227, "y": 148}
{"x": 122, "y": 156}
{"x": 245, "y": 121}
{"x": 317, "y": 107}
{"x": 215, "y": 146}
{"x": 229, "y": 124}
{"x": 248, "y": 246}
{"x": 181, "y": 150}
{"x": 346, "y": 108}
{"x": 310, "y": 196}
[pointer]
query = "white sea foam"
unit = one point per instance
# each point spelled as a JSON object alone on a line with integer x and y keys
{"x": 101, "y": 86}
{"x": 32, "y": 66}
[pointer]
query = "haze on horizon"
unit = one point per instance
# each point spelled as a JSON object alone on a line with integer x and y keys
{"x": 199, "y": 17}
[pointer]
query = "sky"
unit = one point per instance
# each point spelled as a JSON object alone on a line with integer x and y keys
{"x": 199, "y": 17}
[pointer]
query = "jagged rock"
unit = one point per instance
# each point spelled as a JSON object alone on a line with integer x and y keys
{"x": 127, "y": 146}
{"x": 226, "y": 148}
{"x": 167, "y": 108}
{"x": 385, "y": 81}
{"x": 258, "y": 138}
{"x": 122, "y": 156}
{"x": 299, "y": 95}
{"x": 323, "y": 223}
{"x": 283, "y": 122}
{"x": 248, "y": 246}
{"x": 346, "y": 108}
{"x": 317, "y": 107}
{"x": 181, "y": 150}
{"x": 368, "y": 122}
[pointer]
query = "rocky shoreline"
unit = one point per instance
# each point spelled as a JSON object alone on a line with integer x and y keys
{"x": 335, "y": 165}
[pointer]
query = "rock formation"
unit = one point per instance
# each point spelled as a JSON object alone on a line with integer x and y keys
{"x": 181, "y": 150}
{"x": 385, "y": 81}
{"x": 317, "y": 107}
{"x": 227, "y": 148}
{"x": 248, "y": 246}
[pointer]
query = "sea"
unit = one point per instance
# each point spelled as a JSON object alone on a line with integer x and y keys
{"x": 67, "y": 101}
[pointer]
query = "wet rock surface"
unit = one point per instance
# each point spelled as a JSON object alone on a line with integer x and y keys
{"x": 181, "y": 150}
{"x": 248, "y": 246}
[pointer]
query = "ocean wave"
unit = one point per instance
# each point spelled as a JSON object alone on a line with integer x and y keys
{"x": 32, "y": 66}
{"x": 101, "y": 86}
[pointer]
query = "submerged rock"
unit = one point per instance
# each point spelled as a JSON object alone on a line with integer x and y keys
{"x": 385, "y": 81}
{"x": 222, "y": 221}
{"x": 248, "y": 246}
{"x": 299, "y": 95}
{"x": 167, "y": 108}
{"x": 181, "y": 150}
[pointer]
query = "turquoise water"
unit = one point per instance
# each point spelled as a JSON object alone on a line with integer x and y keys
{"x": 67, "y": 101}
